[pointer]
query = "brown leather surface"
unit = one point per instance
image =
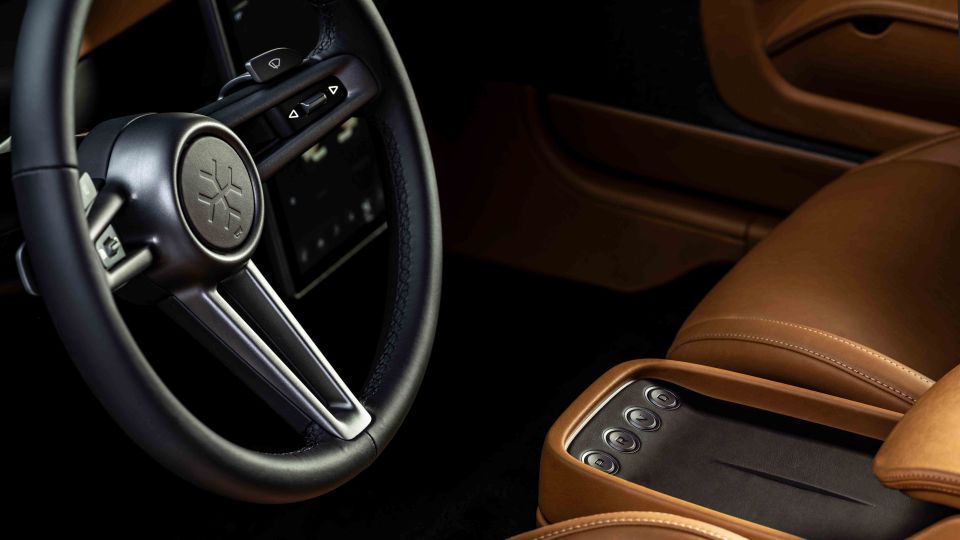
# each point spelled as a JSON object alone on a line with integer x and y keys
{"x": 921, "y": 456}
{"x": 108, "y": 18}
{"x": 908, "y": 68}
{"x": 617, "y": 525}
{"x": 787, "y": 22}
{"x": 945, "y": 529}
{"x": 855, "y": 294}
{"x": 740, "y": 168}
{"x": 510, "y": 195}
{"x": 944, "y": 149}
{"x": 751, "y": 85}
{"x": 569, "y": 488}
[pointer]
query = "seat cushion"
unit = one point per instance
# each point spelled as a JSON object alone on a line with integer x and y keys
{"x": 617, "y": 525}
{"x": 856, "y": 294}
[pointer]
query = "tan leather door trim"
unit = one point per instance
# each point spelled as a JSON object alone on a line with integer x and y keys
{"x": 751, "y": 85}
{"x": 713, "y": 161}
{"x": 812, "y": 15}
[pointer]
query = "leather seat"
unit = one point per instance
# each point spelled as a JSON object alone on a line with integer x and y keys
{"x": 646, "y": 525}
{"x": 660, "y": 526}
{"x": 856, "y": 294}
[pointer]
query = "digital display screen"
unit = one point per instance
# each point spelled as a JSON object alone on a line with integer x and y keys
{"x": 328, "y": 201}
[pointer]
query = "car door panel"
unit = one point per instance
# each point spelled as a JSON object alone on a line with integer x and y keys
{"x": 512, "y": 195}
{"x": 837, "y": 84}
{"x": 889, "y": 64}
{"x": 783, "y": 22}
{"x": 599, "y": 142}
{"x": 689, "y": 156}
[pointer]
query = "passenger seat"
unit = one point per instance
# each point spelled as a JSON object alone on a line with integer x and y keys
{"x": 856, "y": 294}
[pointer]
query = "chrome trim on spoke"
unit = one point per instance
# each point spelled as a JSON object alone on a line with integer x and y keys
{"x": 331, "y": 404}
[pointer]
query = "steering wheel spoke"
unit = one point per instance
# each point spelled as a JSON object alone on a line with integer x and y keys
{"x": 252, "y": 330}
{"x": 120, "y": 264}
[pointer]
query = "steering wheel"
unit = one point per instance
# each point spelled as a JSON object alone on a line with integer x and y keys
{"x": 174, "y": 201}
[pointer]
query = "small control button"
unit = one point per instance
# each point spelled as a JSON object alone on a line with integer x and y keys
{"x": 298, "y": 111}
{"x": 601, "y": 460}
{"x": 109, "y": 248}
{"x": 662, "y": 398}
{"x": 641, "y": 418}
{"x": 622, "y": 441}
{"x": 312, "y": 103}
{"x": 273, "y": 63}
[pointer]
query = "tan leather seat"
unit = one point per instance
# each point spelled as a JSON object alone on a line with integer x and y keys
{"x": 856, "y": 294}
{"x": 659, "y": 526}
{"x": 646, "y": 525}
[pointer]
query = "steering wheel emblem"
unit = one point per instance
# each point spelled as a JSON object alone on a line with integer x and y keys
{"x": 216, "y": 193}
{"x": 218, "y": 199}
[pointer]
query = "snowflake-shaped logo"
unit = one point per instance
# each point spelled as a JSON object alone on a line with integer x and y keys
{"x": 221, "y": 189}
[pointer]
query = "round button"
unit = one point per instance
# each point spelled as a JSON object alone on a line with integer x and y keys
{"x": 622, "y": 441}
{"x": 662, "y": 398}
{"x": 642, "y": 418}
{"x": 601, "y": 460}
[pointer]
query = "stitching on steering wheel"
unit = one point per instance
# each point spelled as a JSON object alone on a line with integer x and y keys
{"x": 372, "y": 387}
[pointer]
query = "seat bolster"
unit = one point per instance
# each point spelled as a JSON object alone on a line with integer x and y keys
{"x": 800, "y": 355}
{"x": 646, "y": 525}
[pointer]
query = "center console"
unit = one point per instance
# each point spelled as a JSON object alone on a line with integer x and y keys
{"x": 760, "y": 458}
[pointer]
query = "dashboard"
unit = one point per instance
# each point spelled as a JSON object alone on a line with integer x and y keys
{"x": 329, "y": 204}
{"x": 321, "y": 210}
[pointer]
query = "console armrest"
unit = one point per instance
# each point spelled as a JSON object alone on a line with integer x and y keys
{"x": 921, "y": 457}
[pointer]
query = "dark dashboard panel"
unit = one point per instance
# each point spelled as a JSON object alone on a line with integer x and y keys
{"x": 255, "y": 26}
{"x": 329, "y": 204}
{"x": 11, "y": 12}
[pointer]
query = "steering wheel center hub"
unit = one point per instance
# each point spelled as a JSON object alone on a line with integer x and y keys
{"x": 193, "y": 193}
{"x": 216, "y": 193}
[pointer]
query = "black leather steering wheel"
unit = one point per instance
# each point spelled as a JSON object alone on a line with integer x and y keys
{"x": 163, "y": 179}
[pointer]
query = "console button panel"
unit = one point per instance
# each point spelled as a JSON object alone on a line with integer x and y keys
{"x": 799, "y": 477}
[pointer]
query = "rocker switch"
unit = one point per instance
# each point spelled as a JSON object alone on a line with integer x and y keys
{"x": 313, "y": 103}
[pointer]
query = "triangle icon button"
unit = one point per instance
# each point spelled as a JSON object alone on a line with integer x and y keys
{"x": 293, "y": 115}
{"x": 333, "y": 89}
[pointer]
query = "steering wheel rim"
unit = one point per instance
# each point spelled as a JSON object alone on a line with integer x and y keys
{"x": 77, "y": 292}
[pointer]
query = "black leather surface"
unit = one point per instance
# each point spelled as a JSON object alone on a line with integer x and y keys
{"x": 84, "y": 312}
{"x": 49, "y": 43}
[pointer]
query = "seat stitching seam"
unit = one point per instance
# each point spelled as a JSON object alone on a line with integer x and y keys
{"x": 815, "y": 354}
{"x": 634, "y": 520}
{"x": 834, "y": 337}
{"x": 914, "y": 486}
{"x": 919, "y": 476}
